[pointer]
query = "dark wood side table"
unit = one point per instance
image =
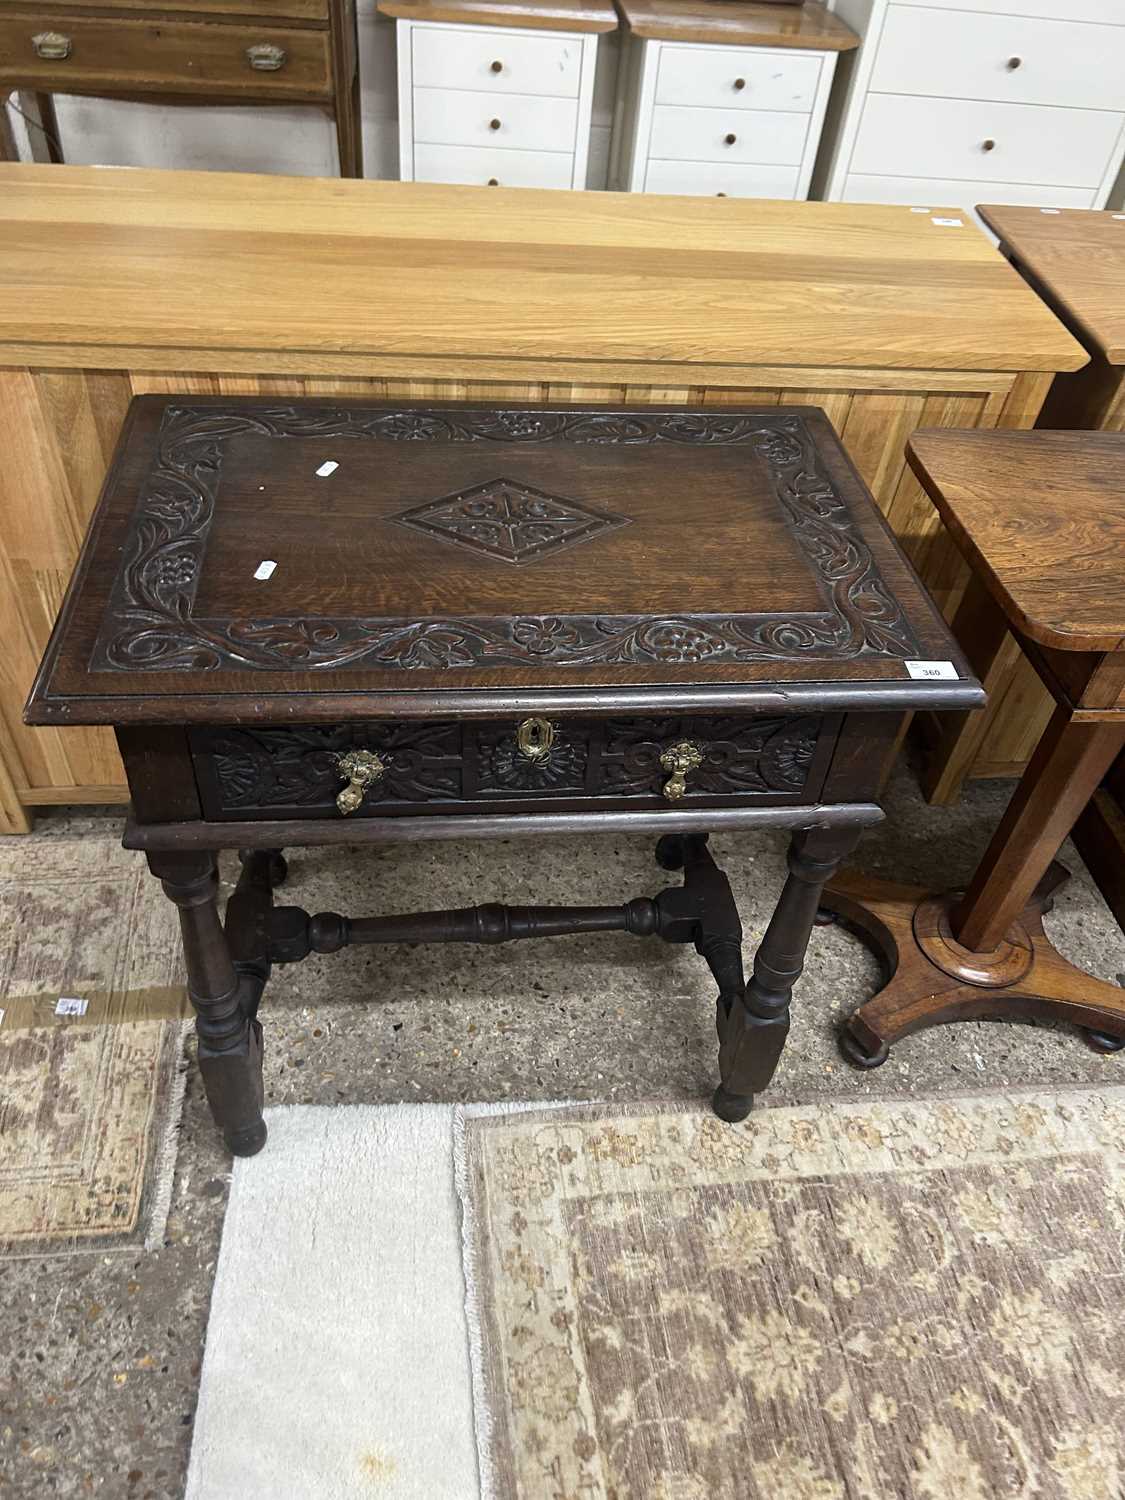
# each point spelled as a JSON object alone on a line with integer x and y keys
{"x": 188, "y": 52}
{"x": 1040, "y": 518}
{"x": 318, "y": 622}
{"x": 1075, "y": 260}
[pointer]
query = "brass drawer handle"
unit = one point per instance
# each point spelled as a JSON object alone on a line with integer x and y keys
{"x": 497, "y": 66}
{"x": 1014, "y": 63}
{"x": 534, "y": 738}
{"x": 988, "y": 145}
{"x": 731, "y": 138}
{"x": 680, "y": 759}
{"x": 360, "y": 769}
{"x": 266, "y": 57}
{"x": 739, "y": 84}
{"x": 51, "y": 45}
{"x": 494, "y": 124}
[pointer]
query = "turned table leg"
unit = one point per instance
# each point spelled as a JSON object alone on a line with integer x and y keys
{"x": 752, "y": 1039}
{"x": 230, "y": 1041}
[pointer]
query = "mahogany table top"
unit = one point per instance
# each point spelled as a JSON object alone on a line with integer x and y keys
{"x": 1041, "y": 515}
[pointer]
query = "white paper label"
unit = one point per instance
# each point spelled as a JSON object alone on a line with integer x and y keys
{"x": 264, "y": 569}
{"x": 921, "y": 210}
{"x": 2, "y": 1015}
{"x": 1050, "y": 210}
{"x": 942, "y": 671}
{"x": 1119, "y": 216}
{"x": 949, "y": 223}
{"x": 70, "y": 1005}
{"x": 328, "y": 467}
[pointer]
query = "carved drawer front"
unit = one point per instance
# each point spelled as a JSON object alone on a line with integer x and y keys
{"x": 384, "y": 768}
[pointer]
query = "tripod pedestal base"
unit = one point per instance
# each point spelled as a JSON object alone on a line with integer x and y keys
{"x": 933, "y": 980}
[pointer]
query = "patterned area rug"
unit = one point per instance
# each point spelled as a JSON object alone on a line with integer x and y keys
{"x": 90, "y": 1104}
{"x": 846, "y": 1301}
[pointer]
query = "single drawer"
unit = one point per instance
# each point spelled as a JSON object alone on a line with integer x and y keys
{"x": 454, "y": 117}
{"x": 87, "y": 53}
{"x": 496, "y": 60}
{"x": 938, "y": 193}
{"x": 971, "y": 141}
{"x": 705, "y": 179}
{"x": 492, "y": 167}
{"x": 720, "y": 135}
{"x": 522, "y": 764}
{"x": 962, "y": 55}
{"x": 737, "y": 78}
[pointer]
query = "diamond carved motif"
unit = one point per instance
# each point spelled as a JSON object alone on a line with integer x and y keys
{"x": 513, "y": 522}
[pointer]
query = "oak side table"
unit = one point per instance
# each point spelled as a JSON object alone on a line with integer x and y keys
{"x": 337, "y": 622}
{"x": 1076, "y": 262}
{"x": 1040, "y": 519}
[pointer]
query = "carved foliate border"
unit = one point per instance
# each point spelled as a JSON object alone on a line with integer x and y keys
{"x": 149, "y": 625}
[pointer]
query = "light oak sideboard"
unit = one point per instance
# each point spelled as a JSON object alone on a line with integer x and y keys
{"x": 118, "y": 282}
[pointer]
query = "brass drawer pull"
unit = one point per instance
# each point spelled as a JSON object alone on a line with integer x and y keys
{"x": 731, "y": 138}
{"x": 266, "y": 57}
{"x": 534, "y": 737}
{"x": 497, "y": 66}
{"x": 51, "y": 45}
{"x": 739, "y": 84}
{"x": 494, "y": 124}
{"x": 360, "y": 769}
{"x": 680, "y": 759}
{"x": 988, "y": 145}
{"x": 1014, "y": 63}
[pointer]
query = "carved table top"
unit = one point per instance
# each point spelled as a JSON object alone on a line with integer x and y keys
{"x": 306, "y": 560}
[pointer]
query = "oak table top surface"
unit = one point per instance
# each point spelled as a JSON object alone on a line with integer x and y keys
{"x": 534, "y": 15}
{"x": 740, "y": 23}
{"x": 105, "y": 267}
{"x": 463, "y": 558}
{"x": 1078, "y": 257}
{"x": 1042, "y": 517}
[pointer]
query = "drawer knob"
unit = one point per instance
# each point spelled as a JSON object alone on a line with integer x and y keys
{"x": 680, "y": 760}
{"x": 51, "y": 45}
{"x": 494, "y": 124}
{"x": 740, "y": 83}
{"x": 361, "y": 769}
{"x": 266, "y": 57}
{"x": 988, "y": 145}
{"x": 534, "y": 737}
{"x": 731, "y": 138}
{"x": 1014, "y": 63}
{"x": 497, "y": 66}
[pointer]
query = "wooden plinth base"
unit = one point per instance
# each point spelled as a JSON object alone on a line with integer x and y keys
{"x": 932, "y": 979}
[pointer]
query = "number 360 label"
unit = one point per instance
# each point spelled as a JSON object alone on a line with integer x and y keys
{"x": 941, "y": 671}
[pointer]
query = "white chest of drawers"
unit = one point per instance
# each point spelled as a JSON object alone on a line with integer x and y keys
{"x": 495, "y": 104}
{"x": 1003, "y": 101}
{"x": 724, "y": 100}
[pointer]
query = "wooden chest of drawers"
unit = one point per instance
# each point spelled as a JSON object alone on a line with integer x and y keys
{"x": 202, "y": 51}
{"x": 496, "y": 94}
{"x": 1012, "y": 101}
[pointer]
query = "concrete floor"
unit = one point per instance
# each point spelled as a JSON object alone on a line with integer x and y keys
{"x": 101, "y": 1354}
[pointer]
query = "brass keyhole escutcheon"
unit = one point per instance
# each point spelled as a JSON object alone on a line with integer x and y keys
{"x": 680, "y": 759}
{"x": 360, "y": 769}
{"x": 534, "y": 737}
